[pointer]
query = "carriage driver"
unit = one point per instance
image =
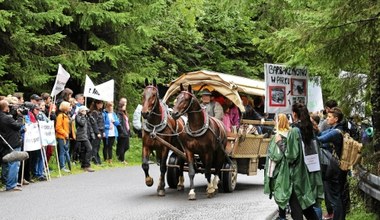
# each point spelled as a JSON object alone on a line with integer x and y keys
{"x": 213, "y": 108}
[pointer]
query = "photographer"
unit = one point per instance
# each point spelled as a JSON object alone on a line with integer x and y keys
{"x": 83, "y": 125}
{"x": 10, "y": 131}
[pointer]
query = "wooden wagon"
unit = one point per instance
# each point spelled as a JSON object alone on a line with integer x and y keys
{"x": 247, "y": 152}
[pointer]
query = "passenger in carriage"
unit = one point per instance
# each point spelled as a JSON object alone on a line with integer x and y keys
{"x": 213, "y": 108}
{"x": 234, "y": 114}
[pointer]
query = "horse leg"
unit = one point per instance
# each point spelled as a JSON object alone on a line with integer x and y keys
{"x": 181, "y": 179}
{"x": 161, "y": 184}
{"x": 145, "y": 166}
{"x": 190, "y": 159}
{"x": 210, "y": 187}
{"x": 218, "y": 166}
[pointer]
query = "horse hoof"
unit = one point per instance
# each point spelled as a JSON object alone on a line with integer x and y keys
{"x": 180, "y": 188}
{"x": 210, "y": 195}
{"x": 149, "y": 181}
{"x": 161, "y": 192}
{"x": 192, "y": 197}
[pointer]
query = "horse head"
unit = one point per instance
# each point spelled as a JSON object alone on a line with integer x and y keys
{"x": 150, "y": 99}
{"x": 183, "y": 102}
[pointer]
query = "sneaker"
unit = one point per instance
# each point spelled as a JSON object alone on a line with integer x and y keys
{"x": 17, "y": 188}
{"x": 42, "y": 178}
{"x": 88, "y": 169}
{"x": 66, "y": 170}
{"x": 25, "y": 182}
{"x": 328, "y": 216}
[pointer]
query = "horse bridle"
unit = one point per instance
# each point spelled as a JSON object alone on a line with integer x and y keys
{"x": 190, "y": 104}
{"x": 155, "y": 102}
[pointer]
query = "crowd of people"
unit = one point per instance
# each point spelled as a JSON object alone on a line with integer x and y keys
{"x": 79, "y": 132}
{"x": 287, "y": 178}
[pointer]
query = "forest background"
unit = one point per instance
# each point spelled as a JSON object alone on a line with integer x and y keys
{"x": 130, "y": 40}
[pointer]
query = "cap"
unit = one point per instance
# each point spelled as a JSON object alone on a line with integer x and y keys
{"x": 82, "y": 108}
{"x": 35, "y": 97}
{"x": 206, "y": 92}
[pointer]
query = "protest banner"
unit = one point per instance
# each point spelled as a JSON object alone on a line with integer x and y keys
{"x": 60, "y": 81}
{"x": 47, "y": 133}
{"x": 314, "y": 98}
{"x": 284, "y": 87}
{"x": 32, "y": 140}
{"x": 104, "y": 91}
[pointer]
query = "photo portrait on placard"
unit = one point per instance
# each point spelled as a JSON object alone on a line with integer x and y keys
{"x": 298, "y": 87}
{"x": 298, "y": 99}
{"x": 277, "y": 95}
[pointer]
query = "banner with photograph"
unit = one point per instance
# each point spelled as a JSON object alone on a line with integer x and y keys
{"x": 284, "y": 87}
{"x": 47, "y": 133}
{"x": 32, "y": 140}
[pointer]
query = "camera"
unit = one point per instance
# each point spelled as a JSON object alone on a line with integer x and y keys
{"x": 22, "y": 109}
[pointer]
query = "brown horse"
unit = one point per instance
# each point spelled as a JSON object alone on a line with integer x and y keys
{"x": 158, "y": 127}
{"x": 204, "y": 136}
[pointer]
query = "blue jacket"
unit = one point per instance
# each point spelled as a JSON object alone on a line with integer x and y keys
{"x": 107, "y": 123}
{"x": 332, "y": 136}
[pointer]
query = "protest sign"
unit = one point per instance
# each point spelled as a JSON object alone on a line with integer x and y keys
{"x": 32, "y": 140}
{"x": 284, "y": 87}
{"x": 104, "y": 91}
{"x": 47, "y": 133}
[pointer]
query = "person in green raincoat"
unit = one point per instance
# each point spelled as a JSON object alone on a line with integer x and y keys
{"x": 307, "y": 187}
{"x": 277, "y": 176}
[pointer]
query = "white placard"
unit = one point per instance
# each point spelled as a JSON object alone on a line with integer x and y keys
{"x": 311, "y": 159}
{"x": 47, "y": 133}
{"x": 32, "y": 140}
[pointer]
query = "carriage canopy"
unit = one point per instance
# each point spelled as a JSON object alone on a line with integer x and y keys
{"x": 227, "y": 85}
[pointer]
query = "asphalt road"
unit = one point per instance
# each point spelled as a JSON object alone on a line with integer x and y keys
{"x": 121, "y": 193}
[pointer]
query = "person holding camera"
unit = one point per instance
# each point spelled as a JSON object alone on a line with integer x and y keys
{"x": 10, "y": 131}
{"x": 83, "y": 126}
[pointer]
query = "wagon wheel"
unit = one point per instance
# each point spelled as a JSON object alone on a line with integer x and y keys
{"x": 173, "y": 172}
{"x": 229, "y": 178}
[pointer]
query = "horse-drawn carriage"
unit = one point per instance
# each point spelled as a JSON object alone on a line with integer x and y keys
{"x": 246, "y": 152}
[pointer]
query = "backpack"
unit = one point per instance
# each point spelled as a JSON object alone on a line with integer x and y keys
{"x": 350, "y": 151}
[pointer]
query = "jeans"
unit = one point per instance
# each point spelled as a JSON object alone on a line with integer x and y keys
{"x": 10, "y": 172}
{"x": 64, "y": 156}
{"x": 38, "y": 167}
{"x": 334, "y": 195}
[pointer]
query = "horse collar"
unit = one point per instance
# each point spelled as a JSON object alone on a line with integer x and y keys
{"x": 153, "y": 129}
{"x": 202, "y": 130}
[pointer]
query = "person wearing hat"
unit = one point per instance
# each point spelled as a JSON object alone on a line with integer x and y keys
{"x": 35, "y": 99}
{"x": 83, "y": 127}
{"x": 213, "y": 108}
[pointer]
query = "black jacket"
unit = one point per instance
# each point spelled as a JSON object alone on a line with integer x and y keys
{"x": 122, "y": 129}
{"x": 10, "y": 130}
{"x": 82, "y": 127}
{"x": 98, "y": 117}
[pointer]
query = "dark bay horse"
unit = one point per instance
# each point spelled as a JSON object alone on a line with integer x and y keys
{"x": 158, "y": 127}
{"x": 204, "y": 136}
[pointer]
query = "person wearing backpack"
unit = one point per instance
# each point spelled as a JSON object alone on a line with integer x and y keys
{"x": 334, "y": 184}
{"x": 276, "y": 168}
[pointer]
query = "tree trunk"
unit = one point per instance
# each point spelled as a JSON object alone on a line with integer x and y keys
{"x": 375, "y": 79}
